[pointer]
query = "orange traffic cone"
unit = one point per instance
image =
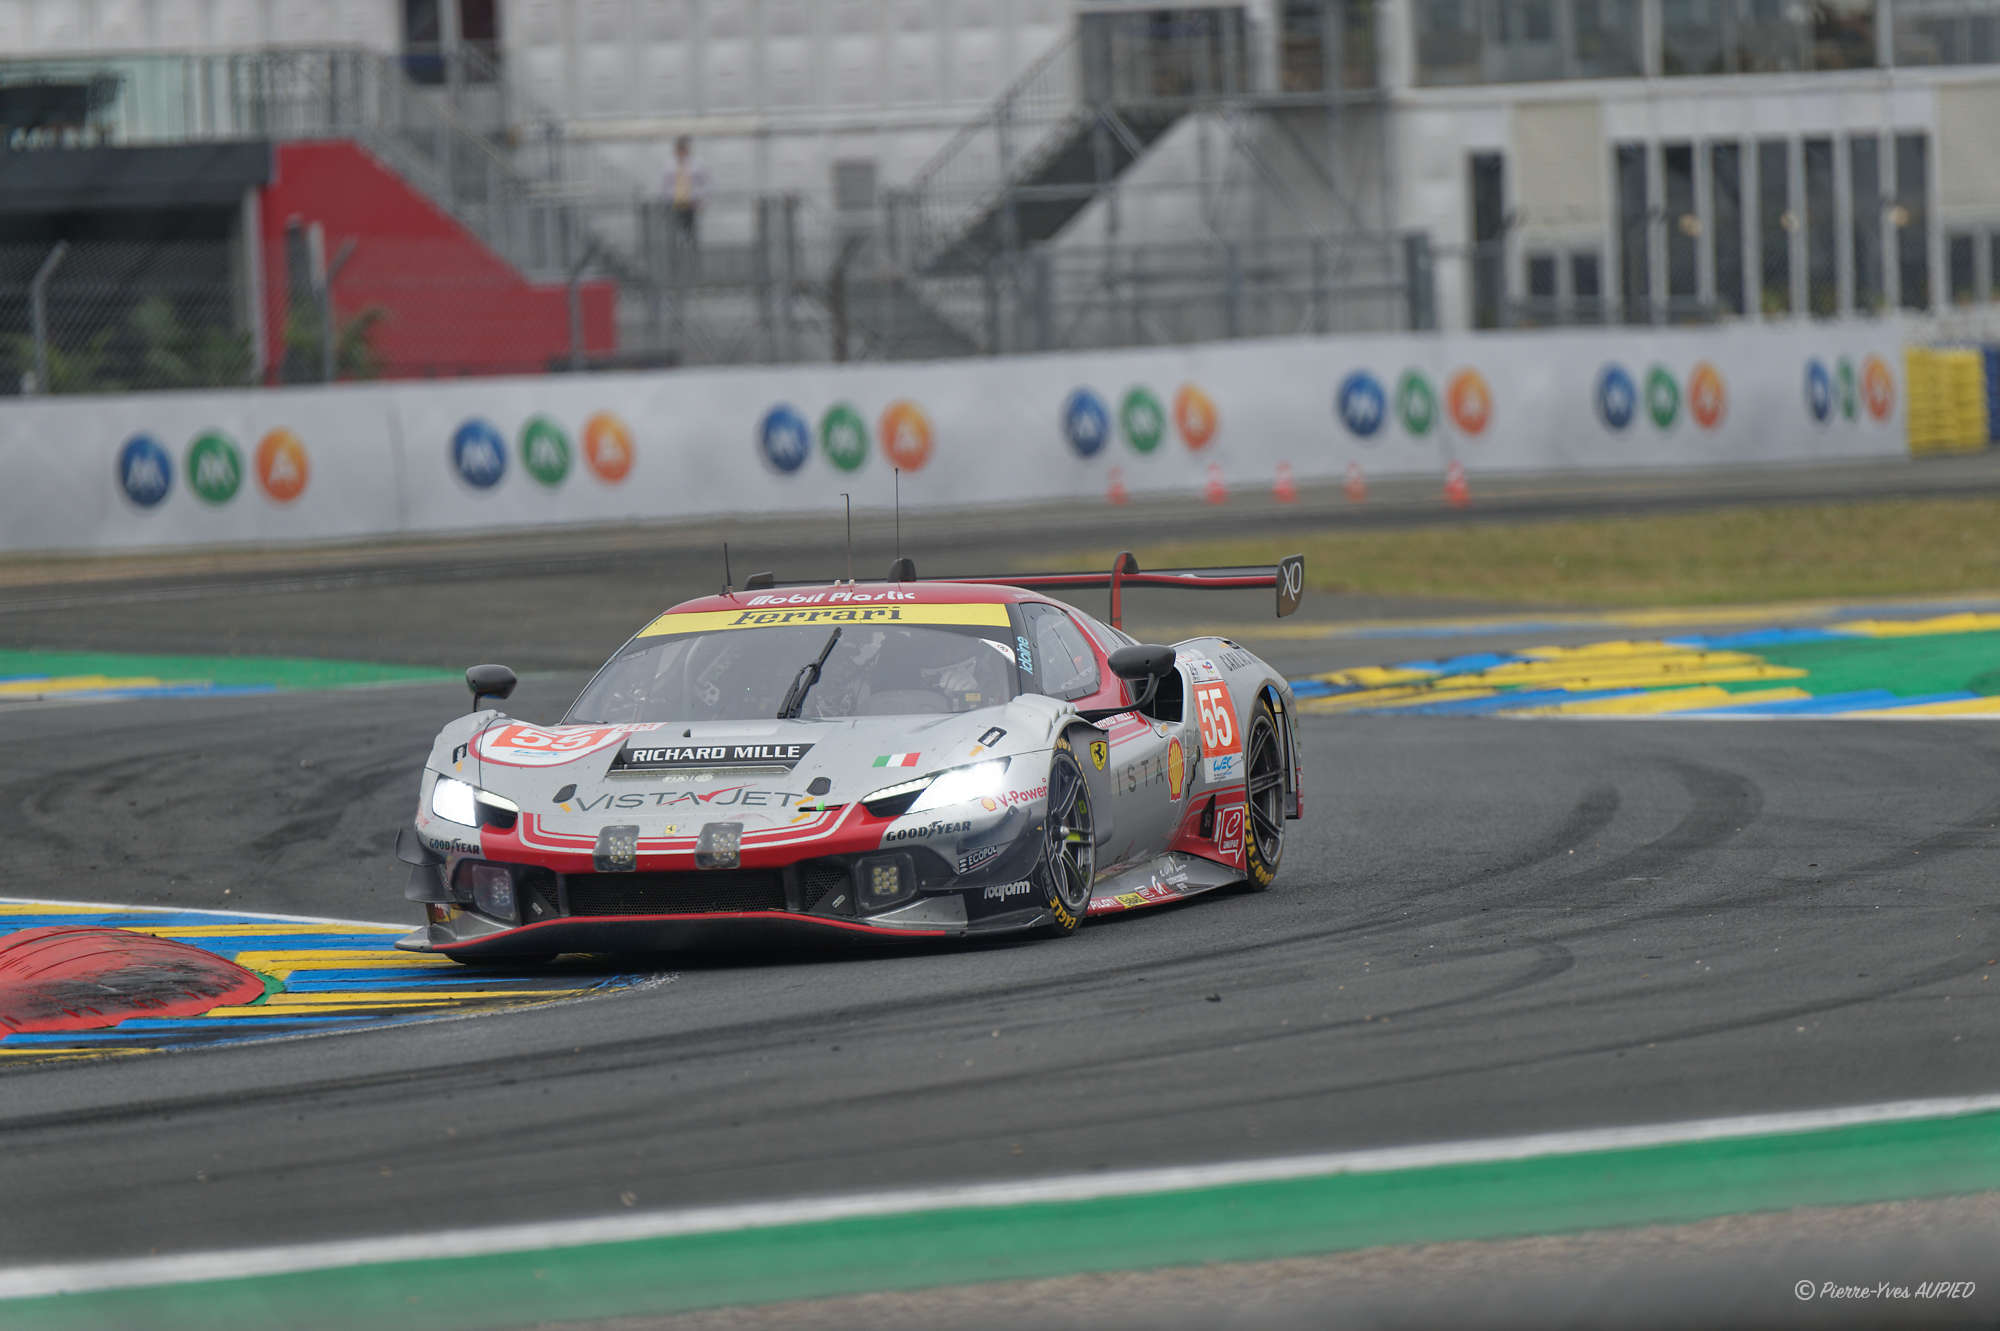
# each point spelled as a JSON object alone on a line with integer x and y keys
{"x": 1456, "y": 492}
{"x": 1115, "y": 492}
{"x": 1215, "y": 492}
{"x": 1356, "y": 488}
{"x": 1284, "y": 491}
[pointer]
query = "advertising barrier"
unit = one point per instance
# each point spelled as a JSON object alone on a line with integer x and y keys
{"x": 352, "y": 461}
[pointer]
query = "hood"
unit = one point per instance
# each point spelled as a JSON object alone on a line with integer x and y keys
{"x": 754, "y": 772}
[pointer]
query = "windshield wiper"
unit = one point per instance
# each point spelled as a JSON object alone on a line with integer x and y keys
{"x": 795, "y": 697}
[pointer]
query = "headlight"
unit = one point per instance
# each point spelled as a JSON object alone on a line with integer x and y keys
{"x": 456, "y": 802}
{"x": 954, "y": 785}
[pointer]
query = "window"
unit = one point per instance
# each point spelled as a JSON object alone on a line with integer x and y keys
{"x": 1912, "y": 220}
{"x": 1822, "y": 264}
{"x": 1065, "y": 662}
{"x": 1635, "y": 271}
{"x": 1864, "y": 152}
{"x": 1543, "y": 305}
{"x": 1448, "y": 44}
{"x": 1586, "y": 286}
{"x": 1683, "y": 230}
{"x": 1607, "y": 39}
{"x": 1776, "y": 222}
{"x": 1843, "y": 34}
{"x": 1691, "y": 37}
{"x": 1961, "y": 251}
{"x": 1301, "y": 46}
{"x": 1725, "y": 191}
{"x": 1489, "y": 239}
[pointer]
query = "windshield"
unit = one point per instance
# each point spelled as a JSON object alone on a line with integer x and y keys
{"x": 747, "y": 674}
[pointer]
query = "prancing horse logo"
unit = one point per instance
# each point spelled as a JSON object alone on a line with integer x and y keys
{"x": 1100, "y": 753}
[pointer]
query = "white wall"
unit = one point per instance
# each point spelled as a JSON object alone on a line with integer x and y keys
{"x": 114, "y": 473}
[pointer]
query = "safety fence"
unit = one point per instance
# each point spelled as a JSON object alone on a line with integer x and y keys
{"x": 1207, "y": 420}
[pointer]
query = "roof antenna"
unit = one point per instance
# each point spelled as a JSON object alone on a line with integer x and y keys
{"x": 899, "y": 512}
{"x": 850, "y": 536}
{"x": 727, "y": 581}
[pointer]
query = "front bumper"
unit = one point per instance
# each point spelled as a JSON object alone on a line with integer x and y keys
{"x": 673, "y": 898}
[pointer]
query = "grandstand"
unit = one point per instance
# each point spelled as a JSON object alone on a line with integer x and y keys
{"x": 891, "y": 179}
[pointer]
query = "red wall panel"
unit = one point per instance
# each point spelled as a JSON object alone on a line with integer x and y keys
{"x": 450, "y": 305}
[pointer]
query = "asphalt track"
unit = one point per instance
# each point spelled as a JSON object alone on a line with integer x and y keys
{"x": 1483, "y": 928}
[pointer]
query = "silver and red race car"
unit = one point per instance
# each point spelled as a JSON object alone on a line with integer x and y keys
{"x": 897, "y": 760}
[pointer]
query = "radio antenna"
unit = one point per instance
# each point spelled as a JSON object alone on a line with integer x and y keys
{"x": 727, "y": 581}
{"x": 850, "y": 535}
{"x": 899, "y": 512}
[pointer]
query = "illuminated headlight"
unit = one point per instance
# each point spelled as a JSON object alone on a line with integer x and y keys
{"x": 955, "y": 785}
{"x": 887, "y": 880}
{"x": 456, "y": 802}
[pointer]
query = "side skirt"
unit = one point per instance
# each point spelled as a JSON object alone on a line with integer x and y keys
{"x": 1169, "y": 877}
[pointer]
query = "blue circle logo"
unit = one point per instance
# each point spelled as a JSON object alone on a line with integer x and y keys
{"x": 1086, "y": 422}
{"x": 786, "y": 441}
{"x": 479, "y": 454}
{"x": 1819, "y": 390}
{"x": 1617, "y": 397}
{"x": 1361, "y": 404}
{"x": 145, "y": 472}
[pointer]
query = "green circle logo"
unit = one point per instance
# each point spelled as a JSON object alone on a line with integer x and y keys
{"x": 1143, "y": 420}
{"x": 843, "y": 436}
{"x": 1416, "y": 404}
{"x": 1663, "y": 397}
{"x": 545, "y": 451}
{"x": 1849, "y": 401}
{"x": 214, "y": 467}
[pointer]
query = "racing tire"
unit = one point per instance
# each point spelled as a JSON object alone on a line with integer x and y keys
{"x": 1264, "y": 800}
{"x": 1068, "y": 864}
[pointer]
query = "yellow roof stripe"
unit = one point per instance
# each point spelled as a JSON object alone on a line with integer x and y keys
{"x": 812, "y": 616}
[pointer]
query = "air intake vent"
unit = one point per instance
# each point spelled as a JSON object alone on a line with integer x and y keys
{"x": 674, "y": 893}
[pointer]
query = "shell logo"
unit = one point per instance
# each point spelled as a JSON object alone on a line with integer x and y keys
{"x": 607, "y": 447}
{"x": 1878, "y": 388}
{"x": 1176, "y": 769}
{"x": 1708, "y": 397}
{"x": 1195, "y": 415}
{"x": 906, "y": 435}
{"x": 1469, "y": 401}
{"x": 282, "y": 466}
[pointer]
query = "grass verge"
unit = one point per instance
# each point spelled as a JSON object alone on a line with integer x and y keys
{"x": 1898, "y": 547}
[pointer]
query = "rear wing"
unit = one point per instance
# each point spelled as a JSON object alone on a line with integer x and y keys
{"x": 1287, "y": 577}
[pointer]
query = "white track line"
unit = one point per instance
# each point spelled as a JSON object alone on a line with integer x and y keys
{"x": 226, "y": 1264}
{"x": 129, "y": 909}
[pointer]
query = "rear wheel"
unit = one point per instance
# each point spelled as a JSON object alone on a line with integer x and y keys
{"x": 1264, "y": 818}
{"x": 1069, "y": 846}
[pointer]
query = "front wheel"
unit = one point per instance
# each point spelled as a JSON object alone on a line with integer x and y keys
{"x": 1069, "y": 847}
{"x": 1264, "y": 773}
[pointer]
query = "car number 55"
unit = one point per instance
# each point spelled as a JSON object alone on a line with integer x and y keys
{"x": 1218, "y": 718}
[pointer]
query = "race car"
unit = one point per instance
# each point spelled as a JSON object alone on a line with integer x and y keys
{"x": 894, "y": 760}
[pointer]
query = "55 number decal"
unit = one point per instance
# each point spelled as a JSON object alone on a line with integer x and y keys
{"x": 1218, "y": 718}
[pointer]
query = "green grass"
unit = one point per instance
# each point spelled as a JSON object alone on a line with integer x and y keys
{"x": 1900, "y": 547}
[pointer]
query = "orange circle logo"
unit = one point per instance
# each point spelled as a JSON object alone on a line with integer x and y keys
{"x": 1878, "y": 388}
{"x": 1194, "y": 413}
{"x": 1708, "y": 397}
{"x": 906, "y": 435}
{"x": 607, "y": 447}
{"x": 282, "y": 468}
{"x": 1469, "y": 401}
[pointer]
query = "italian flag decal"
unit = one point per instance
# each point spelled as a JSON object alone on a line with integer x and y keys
{"x": 897, "y": 760}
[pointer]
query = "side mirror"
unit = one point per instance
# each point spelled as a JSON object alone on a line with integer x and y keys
{"x": 1141, "y": 662}
{"x": 489, "y": 681}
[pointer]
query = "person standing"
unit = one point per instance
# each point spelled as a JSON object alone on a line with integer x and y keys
{"x": 687, "y": 187}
